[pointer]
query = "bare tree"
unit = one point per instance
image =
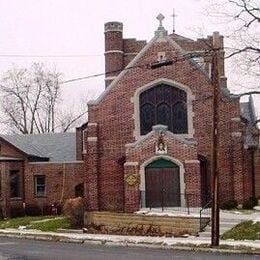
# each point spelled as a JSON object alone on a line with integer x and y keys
{"x": 30, "y": 100}
{"x": 242, "y": 23}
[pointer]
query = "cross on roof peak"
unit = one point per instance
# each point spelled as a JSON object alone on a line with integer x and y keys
{"x": 160, "y": 17}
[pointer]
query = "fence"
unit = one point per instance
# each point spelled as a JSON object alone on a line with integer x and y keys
{"x": 188, "y": 203}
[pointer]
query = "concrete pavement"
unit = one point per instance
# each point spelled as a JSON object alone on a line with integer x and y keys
{"x": 135, "y": 241}
{"x": 22, "y": 249}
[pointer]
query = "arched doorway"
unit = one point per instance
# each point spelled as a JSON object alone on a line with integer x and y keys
{"x": 162, "y": 184}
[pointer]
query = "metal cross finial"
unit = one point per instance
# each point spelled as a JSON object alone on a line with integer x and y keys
{"x": 173, "y": 16}
{"x": 160, "y": 18}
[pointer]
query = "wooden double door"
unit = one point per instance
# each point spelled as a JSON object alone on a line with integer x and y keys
{"x": 162, "y": 187}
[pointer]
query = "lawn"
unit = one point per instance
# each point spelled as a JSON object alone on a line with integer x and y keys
{"x": 246, "y": 230}
{"x": 43, "y": 223}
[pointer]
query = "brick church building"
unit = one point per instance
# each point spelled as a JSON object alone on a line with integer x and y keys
{"x": 148, "y": 139}
{"x": 149, "y": 135}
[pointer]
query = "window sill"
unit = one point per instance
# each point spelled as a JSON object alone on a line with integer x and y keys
{"x": 40, "y": 196}
{"x": 16, "y": 198}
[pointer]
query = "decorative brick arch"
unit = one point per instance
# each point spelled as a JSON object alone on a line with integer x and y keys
{"x": 152, "y": 84}
{"x": 167, "y": 158}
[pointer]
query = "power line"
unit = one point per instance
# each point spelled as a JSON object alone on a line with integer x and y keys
{"x": 49, "y": 56}
{"x": 145, "y": 65}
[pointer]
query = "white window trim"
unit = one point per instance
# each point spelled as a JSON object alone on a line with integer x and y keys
{"x": 190, "y": 98}
{"x": 35, "y": 185}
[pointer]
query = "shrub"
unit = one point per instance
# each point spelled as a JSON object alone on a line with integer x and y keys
{"x": 52, "y": 209}
{"x": 229, "y": 204}
{"x": 16, "y": 211}
{"x": 74, "y": 209}
{"x": 250, "y": 203}
{"x": 33, "y": 210}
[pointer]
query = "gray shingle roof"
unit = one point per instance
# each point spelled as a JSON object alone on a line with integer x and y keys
{"x": 57, "y": 147}
{"x": 247, "y": 112}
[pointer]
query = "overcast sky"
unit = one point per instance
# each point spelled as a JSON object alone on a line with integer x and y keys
{"x": 76, "y": 27}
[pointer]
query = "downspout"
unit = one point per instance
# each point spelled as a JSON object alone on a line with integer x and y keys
{"x": 63, "y": 182}
{"x": 23, "y": 182}
{"x": 253, "y": 162}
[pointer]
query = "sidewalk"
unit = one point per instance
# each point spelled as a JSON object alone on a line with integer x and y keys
{"x": 187, "y": 243}
{"x": 117, "y": 240}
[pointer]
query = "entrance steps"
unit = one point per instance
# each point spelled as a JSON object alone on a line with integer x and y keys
{"x": 224, "y": 225}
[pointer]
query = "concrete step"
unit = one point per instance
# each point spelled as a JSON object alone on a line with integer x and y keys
{"x": 230, "y": 220}
{"x": 228, "y": 224}
{"x": 205, "y": 234}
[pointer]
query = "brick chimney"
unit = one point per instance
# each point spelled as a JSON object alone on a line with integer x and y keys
{"x": 218, "y": 42}
{"x": 114, "y": 54}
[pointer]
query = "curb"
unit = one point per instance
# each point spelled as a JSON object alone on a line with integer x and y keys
{"x": 64, "y": 239}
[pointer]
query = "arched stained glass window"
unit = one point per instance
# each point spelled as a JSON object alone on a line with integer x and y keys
{"x": 163, "y": 114}
{"x": 147, "y": 117}
{"x": 179, "y": 118}
{"x": 166, "y": 105}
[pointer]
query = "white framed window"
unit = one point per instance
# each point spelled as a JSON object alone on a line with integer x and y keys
{"x": 39, "y": 185}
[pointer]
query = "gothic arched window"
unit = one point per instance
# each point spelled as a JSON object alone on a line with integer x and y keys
{"x": 163, "y": 113}
{"x": 147, "y": 117}
{"x": 166, "y": 105}
{"x": 179, "y": 114}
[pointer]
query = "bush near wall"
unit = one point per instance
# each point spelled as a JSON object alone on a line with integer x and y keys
{"x": 47, "y": 209}
{"x": 16, "y": 211}
{"x": 229, "y": 204}
{"x": 250, "y": 203}
{"x": 74, "y": 209}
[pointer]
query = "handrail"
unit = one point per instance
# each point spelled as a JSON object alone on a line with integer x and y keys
{"x": 203, "y": 208}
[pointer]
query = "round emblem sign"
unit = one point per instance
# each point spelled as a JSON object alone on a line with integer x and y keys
{"x": 131, "y": 179}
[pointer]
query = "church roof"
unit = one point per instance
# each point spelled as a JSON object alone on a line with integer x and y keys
{"x": 55, "y": 147}
{"x": 248, "y": 114}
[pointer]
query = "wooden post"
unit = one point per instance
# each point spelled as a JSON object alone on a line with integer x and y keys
{"x": 215, "y": 143}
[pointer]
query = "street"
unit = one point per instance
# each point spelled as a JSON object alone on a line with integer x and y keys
{"x": 31, "y": 249}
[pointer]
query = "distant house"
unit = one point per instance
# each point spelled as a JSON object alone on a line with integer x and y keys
{"x": 39, "y": 170}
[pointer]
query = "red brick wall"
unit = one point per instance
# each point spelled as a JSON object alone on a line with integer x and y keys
{"x": 10, "y": 151}
{"x": 114, "y": 117}
{"x": 257, "y": 173}
{"x": 60, "y": 181}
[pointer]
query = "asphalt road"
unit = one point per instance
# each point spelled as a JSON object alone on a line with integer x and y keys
{"x": 30, "y": 249}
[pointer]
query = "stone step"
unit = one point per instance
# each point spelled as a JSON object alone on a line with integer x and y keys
{"x": 229, "y": 225}
{"x": 205, "y": 234}
{"x": 207, "y": 231}
{"x": 230, "y": 220}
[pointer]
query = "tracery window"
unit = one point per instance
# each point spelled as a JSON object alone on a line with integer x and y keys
{"x": 166, "y": 105}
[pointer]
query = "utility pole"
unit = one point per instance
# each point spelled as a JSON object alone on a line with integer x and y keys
{"x": 215, "y": 142}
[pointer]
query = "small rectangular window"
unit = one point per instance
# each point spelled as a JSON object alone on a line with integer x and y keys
{"x": 39, "y": 185}
{"x": 14, "y": 184}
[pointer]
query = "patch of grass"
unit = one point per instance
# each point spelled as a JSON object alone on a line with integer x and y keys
{"x": 245, "y": 230}
{"x": 51, "y": 225}
{"x": 21, "y": 221}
